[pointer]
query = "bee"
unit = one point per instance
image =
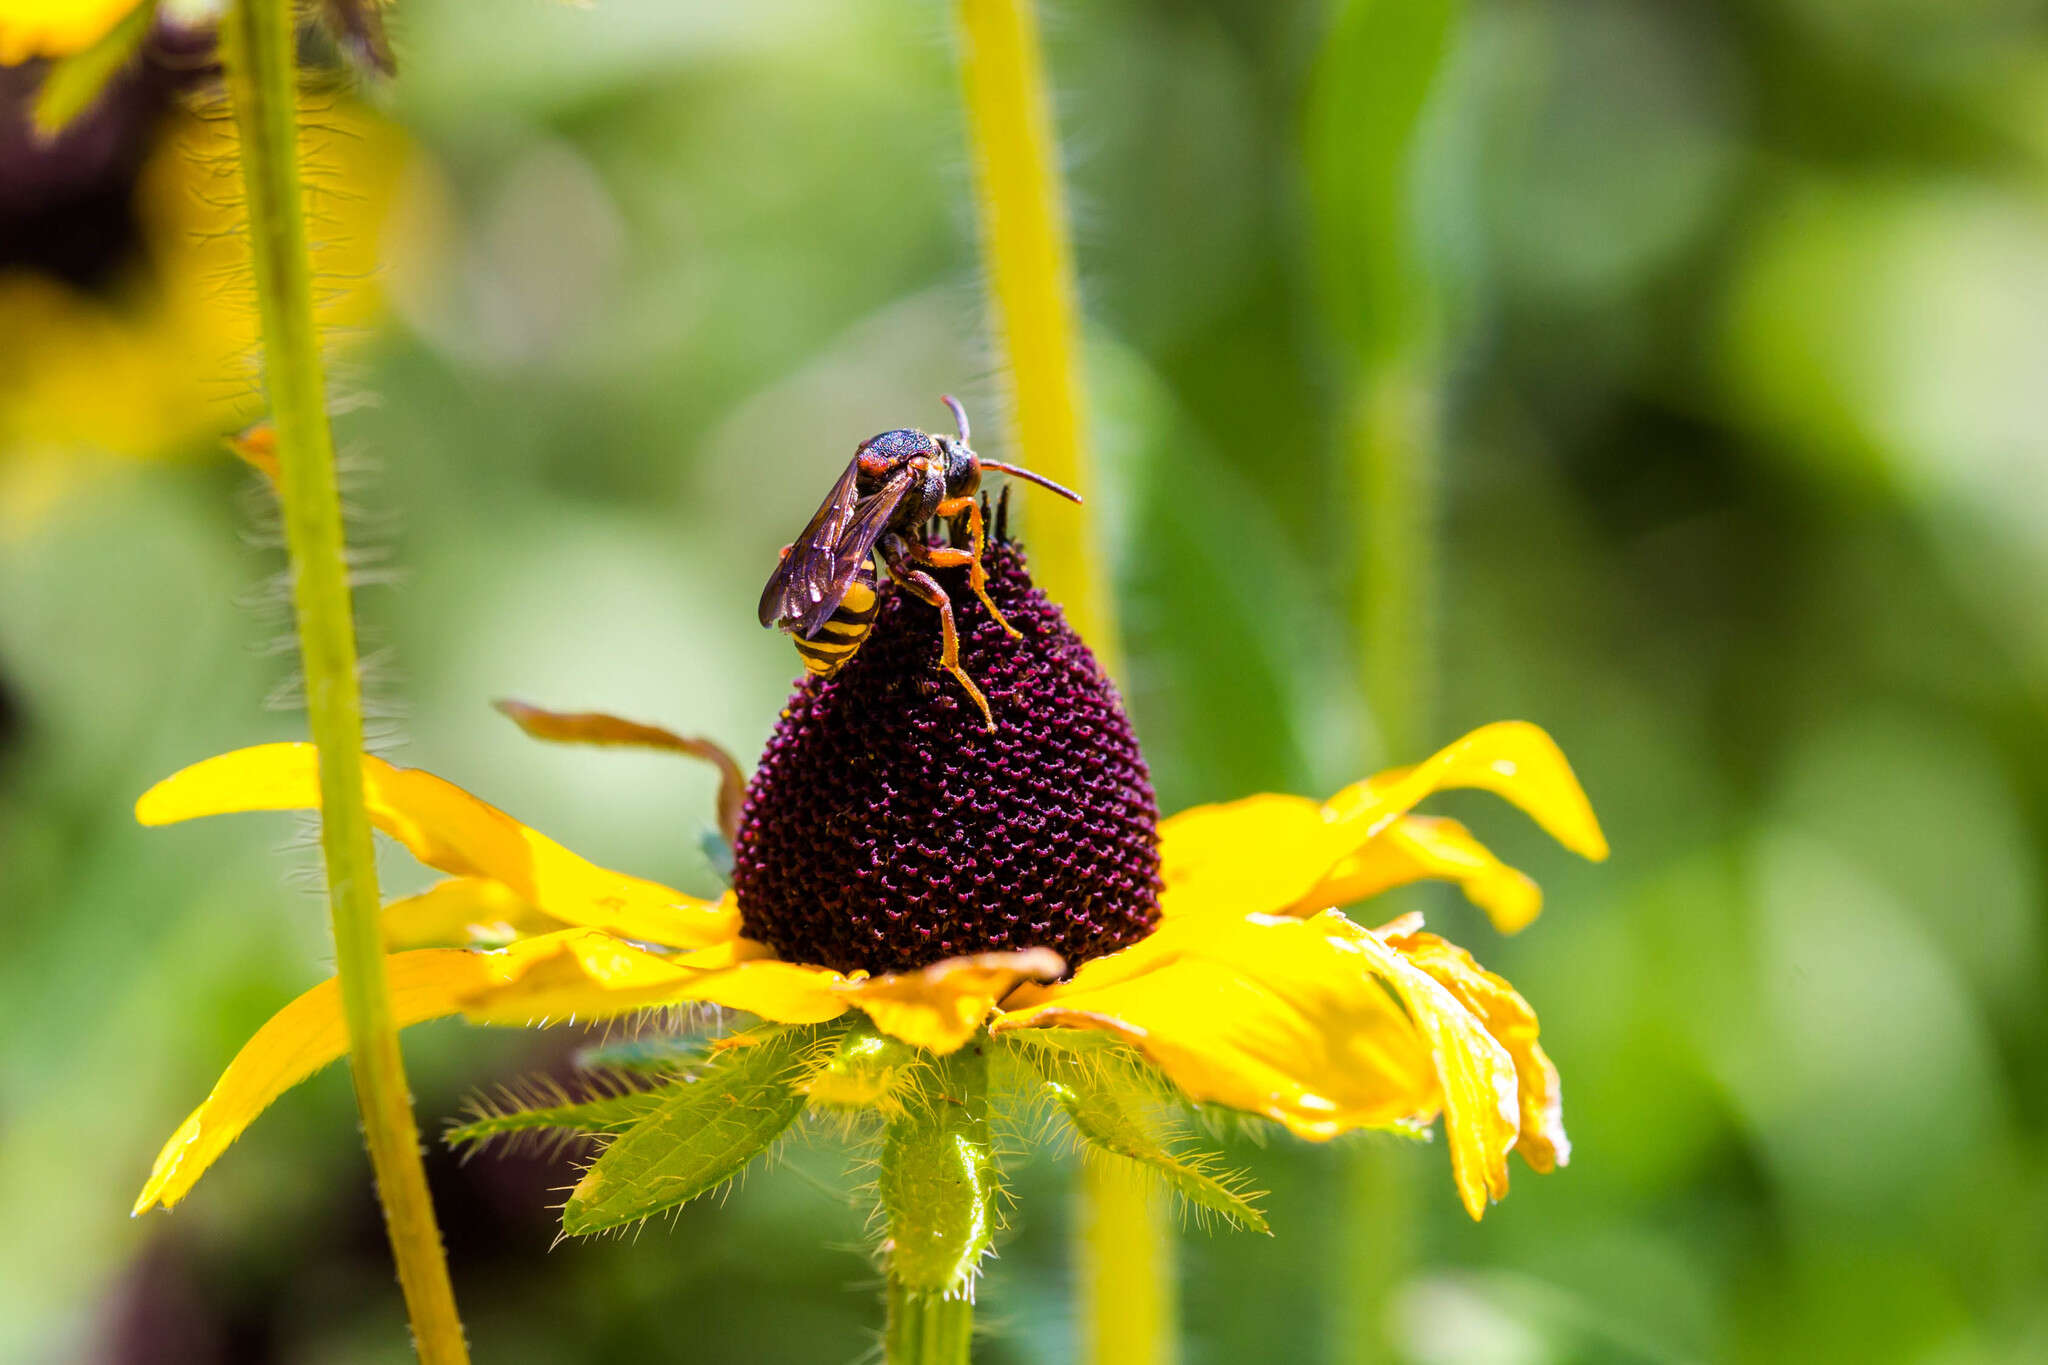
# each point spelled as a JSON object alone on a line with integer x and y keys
{"x": 824, "y": 593}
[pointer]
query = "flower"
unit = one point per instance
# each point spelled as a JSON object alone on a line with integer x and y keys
{"x": 127, "y": 324}
{"x": 910, "y": 887}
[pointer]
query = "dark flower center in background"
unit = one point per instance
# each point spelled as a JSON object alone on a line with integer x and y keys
{"x": 886, "y": 828}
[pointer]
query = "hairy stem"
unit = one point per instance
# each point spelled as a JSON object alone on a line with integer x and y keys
{"x": 1030, "y": 270}
{"x": 258, "y": 45}
{"x": 1125, "y": 1257}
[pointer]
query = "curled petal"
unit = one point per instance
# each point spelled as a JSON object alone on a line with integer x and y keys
{"x": 940, "y": 1007}
{"x": 462, "y": 912}
{"x": 1482, "y": 1115}
{"x": 595, "y": 727}
{"x": 1508, "y": 1017}
{"x": 447, "y": 828}
{"x": 1275, "y": 1016}
{"x": 1274, "y": 854}
{"x": 1421, "y": 847}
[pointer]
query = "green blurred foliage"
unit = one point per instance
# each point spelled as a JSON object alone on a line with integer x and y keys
{"x": 1745, "y": 498}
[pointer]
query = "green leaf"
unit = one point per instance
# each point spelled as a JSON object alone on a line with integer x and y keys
{"x": 1093, "y": 1093}
{"x": 605, "y": 1114}
{"x": 700, "y": 1136}
{"x": 77, "y": 80}
{"x": 939, "y": 1180}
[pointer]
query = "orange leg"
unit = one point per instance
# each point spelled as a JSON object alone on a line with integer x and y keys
{"x": 977, "y": 576}
{"x": 922, "y": 585}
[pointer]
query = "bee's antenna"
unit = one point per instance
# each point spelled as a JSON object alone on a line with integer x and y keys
{"x": 959, "y": 414}
{"x": 1069, "y": 494}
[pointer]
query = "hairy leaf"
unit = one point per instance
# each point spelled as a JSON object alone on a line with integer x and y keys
{"x": 700, "y": 1136}
{"x": 938, "y": 1178}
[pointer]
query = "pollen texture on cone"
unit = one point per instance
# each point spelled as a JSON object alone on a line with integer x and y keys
{"x": 886, "y": 828}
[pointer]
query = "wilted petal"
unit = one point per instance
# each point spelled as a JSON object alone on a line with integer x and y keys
{"x": 447, "y": 828}
{"x": 941, "y": 1007}
{"x": 1508, "y": 1017}
{"x": 1482, "y": 1116}
{"x": 1280, "y": 1017}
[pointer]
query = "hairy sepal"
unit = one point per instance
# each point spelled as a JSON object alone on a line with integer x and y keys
{"x": 604, "y": 1114}
{"x": 1111, "y": 1104}
{"x": 703, "y": 1133}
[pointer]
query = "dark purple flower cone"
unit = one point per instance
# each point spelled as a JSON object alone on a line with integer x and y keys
{"x": 886, "y": 828}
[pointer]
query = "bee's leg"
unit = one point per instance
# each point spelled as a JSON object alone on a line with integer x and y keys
{"x": 977, "y": 576}
{"x": 897, "y": 558}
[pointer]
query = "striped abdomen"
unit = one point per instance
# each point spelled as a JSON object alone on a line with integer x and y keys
{"x": 827, "y": 651}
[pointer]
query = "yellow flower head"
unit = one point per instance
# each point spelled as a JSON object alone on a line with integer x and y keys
{"x": 911, "y": 888}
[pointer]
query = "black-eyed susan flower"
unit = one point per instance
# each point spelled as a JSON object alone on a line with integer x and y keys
{"x": 926, "y": 915}
{"x": 127, "y": 325}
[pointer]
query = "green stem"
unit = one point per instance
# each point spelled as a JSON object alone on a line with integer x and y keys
{"x": 937, "y": 1183}
{"x": 258, "y": 45}
{"x": 927, "y": 1328}
{"x": 1125, "y": 1253}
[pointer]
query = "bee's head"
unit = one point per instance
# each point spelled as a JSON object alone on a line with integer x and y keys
{"x": 900, "y": 447}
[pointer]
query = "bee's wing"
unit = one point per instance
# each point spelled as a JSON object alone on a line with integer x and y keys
{"x": 853, "y": 549}
{"x": 800, "y": 579}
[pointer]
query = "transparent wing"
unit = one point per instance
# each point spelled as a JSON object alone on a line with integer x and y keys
{"x": 801, "y": 579}
{"x": 852, "y": 551}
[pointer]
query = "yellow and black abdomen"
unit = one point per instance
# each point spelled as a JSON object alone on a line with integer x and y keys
{"x": 827, "y": 652}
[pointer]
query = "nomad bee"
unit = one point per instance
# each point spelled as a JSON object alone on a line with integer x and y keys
{"x": 824, "y": 592}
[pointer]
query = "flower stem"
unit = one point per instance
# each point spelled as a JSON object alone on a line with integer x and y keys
{"x": 927, "y": 1328}
{"x": 258, "y": 45}
{"x": 1030, "y": 270}
{"x": 1125, "y": 1258}
{"x": 1128, "y": 1301}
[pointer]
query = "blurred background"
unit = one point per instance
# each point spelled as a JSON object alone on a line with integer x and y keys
{"x": 1743, "y": 495}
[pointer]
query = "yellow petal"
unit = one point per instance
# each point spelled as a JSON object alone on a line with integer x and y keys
{"x": 462, "y": 912}
{"x": 573, "y": 973}
{"x": 941, "y": 1007}
{"x": 301, "y": 1038}
{"x": 1419, "y": 847}
{"x": 55, "y": 28}
{"x": 1508, "y": 1017}
{"x": 589, "y": 974}
{"x": 447, "y": 828}
{"x": 1482, "y": 1116}
{"x": 1274, "y": 1016}
{"x": 1271, "y": 854}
